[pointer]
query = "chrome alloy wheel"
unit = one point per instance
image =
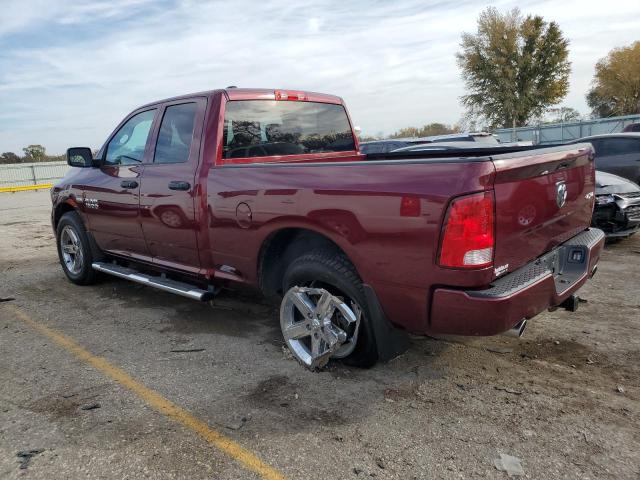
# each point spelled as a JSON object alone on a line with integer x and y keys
{"x": 317, "y": 325}
{"x": 71, "y": 249}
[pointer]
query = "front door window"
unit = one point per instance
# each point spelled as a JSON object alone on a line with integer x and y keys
{"x": 128, "y": 144}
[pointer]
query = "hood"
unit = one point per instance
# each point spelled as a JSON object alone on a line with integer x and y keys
{"x": 608, "y": 184}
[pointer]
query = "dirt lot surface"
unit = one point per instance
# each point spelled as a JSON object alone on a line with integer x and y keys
{"x": 564, "y": 400}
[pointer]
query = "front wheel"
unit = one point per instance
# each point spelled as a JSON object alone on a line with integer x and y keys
{"x": 324, "y": 314}
{"x": 74, "y": 250}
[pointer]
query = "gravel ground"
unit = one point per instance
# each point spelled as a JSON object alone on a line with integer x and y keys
{"x": 563, "y": 400}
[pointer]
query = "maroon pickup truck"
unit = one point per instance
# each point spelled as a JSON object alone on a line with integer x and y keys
{"x": 268, "y": 188}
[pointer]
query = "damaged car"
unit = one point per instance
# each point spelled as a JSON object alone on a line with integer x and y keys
{"x": 617, "y": 208}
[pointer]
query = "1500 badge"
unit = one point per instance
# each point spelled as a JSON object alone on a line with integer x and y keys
{"x": 91, "y": 203}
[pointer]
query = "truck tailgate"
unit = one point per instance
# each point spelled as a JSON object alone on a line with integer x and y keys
{"x": 542, "y": 199}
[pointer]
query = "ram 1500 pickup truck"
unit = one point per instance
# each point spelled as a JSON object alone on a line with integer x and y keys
{"x": 268, "y": 188}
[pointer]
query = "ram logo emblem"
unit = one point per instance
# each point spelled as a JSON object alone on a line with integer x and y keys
{"x": 561, "y": 194}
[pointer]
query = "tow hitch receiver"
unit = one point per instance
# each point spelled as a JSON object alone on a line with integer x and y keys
{"x": 571, "y": 303}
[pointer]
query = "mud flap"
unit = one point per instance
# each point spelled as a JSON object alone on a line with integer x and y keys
{"x": 390, "y": 341}
{"x": 96, "y": 253}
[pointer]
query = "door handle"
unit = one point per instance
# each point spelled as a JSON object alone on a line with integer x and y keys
{"x": 178, "y": 185}
{"x": 129, "y": 184}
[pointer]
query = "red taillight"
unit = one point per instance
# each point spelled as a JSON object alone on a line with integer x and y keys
{"x": 410, "y": 207}
{"x": 283, "y": 95}
{"x": 468, "y": 239}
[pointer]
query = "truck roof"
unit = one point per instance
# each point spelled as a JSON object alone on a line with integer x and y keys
{"x": 234, "y": 93}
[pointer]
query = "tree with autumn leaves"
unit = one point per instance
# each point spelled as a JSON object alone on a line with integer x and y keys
{"x": 616, "y": 83}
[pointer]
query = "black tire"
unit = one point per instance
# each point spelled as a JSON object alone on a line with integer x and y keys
{"x": 332, "y": 270}
{"x": 86, "y": 275}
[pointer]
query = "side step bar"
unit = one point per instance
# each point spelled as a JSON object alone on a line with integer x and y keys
{"x": 161, "y": 283}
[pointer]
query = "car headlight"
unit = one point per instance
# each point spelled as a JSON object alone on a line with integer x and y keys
{"x": 604, "y": 199}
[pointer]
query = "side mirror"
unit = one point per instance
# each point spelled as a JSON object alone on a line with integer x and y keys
{"x": 80, "y": 157}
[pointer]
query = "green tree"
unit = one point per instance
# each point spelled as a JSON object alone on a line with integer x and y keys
{"x": 514, "y": 67}
{"x": 9, "y": 157}
{"x": 563, "y": 115}
{"x": 34, "y": 153}
{"x": 425, "y": 131}
{"x": 616, "y": 84}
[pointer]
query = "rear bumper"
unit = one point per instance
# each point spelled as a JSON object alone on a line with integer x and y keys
{"x": 544, "y": 283}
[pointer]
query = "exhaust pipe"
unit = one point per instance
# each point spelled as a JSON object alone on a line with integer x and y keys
{"x": 517, "y": 330}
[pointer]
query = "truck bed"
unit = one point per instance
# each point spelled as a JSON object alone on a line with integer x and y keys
{"x": 467, "y": 154}
{"x": 387, "y": 213}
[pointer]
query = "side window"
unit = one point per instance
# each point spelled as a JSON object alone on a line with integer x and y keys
{"x": 625, "y": 146}
{"x": 127, "y": 145}
{"x": 391, "y": 146}
{"x": 618, "y": 146}
{"x": 371, "y": 148}
{"x": 176, "y": 133}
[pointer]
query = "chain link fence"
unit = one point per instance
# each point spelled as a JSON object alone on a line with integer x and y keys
{"x": 565, "y": 132}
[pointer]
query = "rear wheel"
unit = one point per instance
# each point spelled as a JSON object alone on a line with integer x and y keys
{"x": 323, "y": 313}
{"x": 74, "y": 250}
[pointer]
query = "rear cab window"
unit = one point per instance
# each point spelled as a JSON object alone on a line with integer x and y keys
{"x": 277, "y": 131}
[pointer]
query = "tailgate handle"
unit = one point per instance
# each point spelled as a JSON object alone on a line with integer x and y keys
{"x": 177, "y": 185}
{"x": 129, "y": 184}
{"x": 564, "y": 165}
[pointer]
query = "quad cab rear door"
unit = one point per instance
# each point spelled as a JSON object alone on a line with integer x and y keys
{"x": 169, "y": 188}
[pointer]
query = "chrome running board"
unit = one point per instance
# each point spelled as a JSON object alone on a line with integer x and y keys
{"x": 161, "y": 282}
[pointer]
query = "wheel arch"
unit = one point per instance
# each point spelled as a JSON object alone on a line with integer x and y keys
{"x": 283, "y": 246}
{"x": 70, "y": 206}
{"x": 61, "y": 209}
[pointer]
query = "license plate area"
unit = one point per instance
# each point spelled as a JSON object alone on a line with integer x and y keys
{"x": 567, "y": 264}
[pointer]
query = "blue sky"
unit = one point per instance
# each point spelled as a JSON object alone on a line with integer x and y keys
{"x": 69, "y": 71}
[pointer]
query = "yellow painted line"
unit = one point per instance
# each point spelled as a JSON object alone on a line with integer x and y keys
{"x": 22, "y": 188}
{"x": 243, "y": 456}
